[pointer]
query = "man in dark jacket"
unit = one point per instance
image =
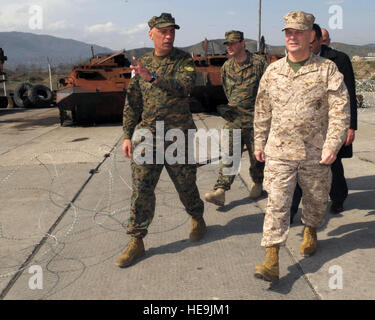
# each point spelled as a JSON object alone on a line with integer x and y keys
{"x": 326, "y": 40}
{"x": 339, "y": 188}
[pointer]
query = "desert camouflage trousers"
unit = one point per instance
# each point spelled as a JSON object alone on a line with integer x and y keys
{"x": 256, "y": 168}
{"x": 144, "y": 180}
{"x": 280, "y": 178}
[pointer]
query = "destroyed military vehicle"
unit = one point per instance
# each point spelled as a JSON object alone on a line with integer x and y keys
{"x": 95, "y": 92}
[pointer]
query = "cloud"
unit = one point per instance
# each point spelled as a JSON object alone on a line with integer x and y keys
{"x": 22, "y": 15}
{"x": 101, "y": 28}
{"x": 137, "y": 29}
{"x": 109, "y": 27}
{"x": 231, "y": 13}
{"x": 14, "y": 17}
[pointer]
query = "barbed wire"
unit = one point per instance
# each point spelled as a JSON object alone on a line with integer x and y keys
{"x": 365, "y": 85}
{"x": 59, "y": 198}
{"x": 54, "y": 176}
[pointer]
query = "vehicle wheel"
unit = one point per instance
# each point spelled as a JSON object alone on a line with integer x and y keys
{"x": 21, "y": 95}
{"x": 40, "y": 96}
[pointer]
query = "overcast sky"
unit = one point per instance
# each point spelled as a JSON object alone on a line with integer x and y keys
{"x": 119, "y": 24}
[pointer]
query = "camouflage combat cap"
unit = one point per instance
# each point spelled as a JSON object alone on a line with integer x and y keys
{"x": 233, "y": 36}
{"x": 299, "y": 20}
{"x": 165, "y": 20}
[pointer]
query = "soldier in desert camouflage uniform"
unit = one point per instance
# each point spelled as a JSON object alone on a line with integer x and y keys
{"x": 159, "y": 92}
{"x": 300, "y": 123}
{"x": 240, "y": 77}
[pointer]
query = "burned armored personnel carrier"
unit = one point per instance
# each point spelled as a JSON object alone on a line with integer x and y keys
{"x": 95, "y": 92}
{"x": 208, "y": 91}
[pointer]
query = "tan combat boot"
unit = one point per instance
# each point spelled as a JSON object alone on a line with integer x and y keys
{"x": 217, "y": 197}
{"x": 269, "y": 270}
{"x": 135, "y": 250}
{"x": 309, "y": 243}
{"x": 255, "y": 190}
{"x": 198, "y": 229}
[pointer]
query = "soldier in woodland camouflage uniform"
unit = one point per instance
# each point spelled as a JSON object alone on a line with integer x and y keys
{"x": 240, "y": 78}
{"x": 300, "y": 123}
{"x": 159, "y": 92}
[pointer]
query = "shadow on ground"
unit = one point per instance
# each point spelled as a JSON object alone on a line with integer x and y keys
{"x": 346, "y": 238}
{"x": 243, "y": 225}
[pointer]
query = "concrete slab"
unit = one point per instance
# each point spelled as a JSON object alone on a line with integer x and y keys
{"x": 32, "y": 199}
{"x": 77, "y": 260}
{"x": 219, "y": 267}
{"x": 347, "y": 240}
{"x": 20, "y": 126}
{"x": 42, "y": 168}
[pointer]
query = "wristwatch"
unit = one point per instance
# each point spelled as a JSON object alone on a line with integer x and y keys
{"x": 154, "y": 76}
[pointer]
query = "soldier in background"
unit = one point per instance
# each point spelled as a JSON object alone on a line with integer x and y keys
{"x": 240, "y": 78}
{"x": 159, "y": 91}
{"x": 301, "y": 119}
{"x": 339, "y": 188}
{"x": 326, "y": 40}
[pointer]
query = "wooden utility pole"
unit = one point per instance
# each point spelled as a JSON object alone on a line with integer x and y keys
{"x": 259, "y": 22}
{"x": 50, "y": 74}
{"x": 5, "y": 87}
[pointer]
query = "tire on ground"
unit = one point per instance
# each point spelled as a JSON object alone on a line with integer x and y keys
{"x": 40, "y": 96}
{"x": 21, "y": 93}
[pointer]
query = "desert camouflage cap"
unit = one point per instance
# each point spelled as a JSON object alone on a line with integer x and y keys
{"x": 165, "y": 20}
{"x": 299, "y": 20}
{"x": 233, "y": 36}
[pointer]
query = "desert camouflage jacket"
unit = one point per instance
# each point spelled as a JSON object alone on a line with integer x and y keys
{"x": 240, "y": 84}
{"x": 301, "y": 113}
{"x": 167, "y": 100}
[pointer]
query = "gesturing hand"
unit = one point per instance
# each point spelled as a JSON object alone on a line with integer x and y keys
{"x": 140, "y": 70}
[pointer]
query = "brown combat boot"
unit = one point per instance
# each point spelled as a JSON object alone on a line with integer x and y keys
{"x": 135, "y": 250}
{"x": 309, "y": 243}
{"x": 217, "y": 197}
{"x": 198, "y": 229}
{"x": 269, "y": 270}
{"x": 255, "y": 190}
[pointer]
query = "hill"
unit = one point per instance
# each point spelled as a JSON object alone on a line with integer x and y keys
{"x": 353, "y": 50}
{"x": 364, "y": 70}
{"x": 215, "y": 46}
{"x": 29, "y": 49}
